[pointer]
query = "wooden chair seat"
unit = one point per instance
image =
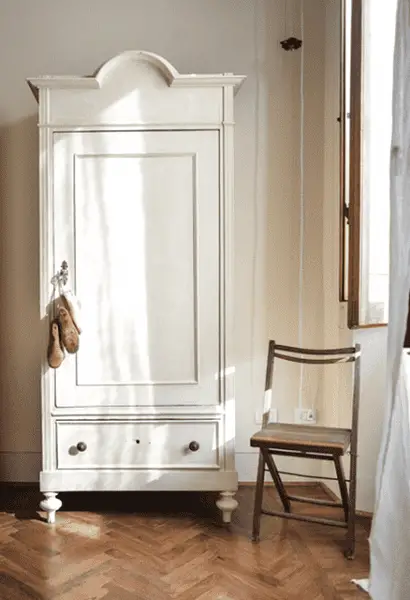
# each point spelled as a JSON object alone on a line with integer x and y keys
{"x": 329, "y": 440}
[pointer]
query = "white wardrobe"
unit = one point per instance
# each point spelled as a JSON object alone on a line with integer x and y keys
{"x": 136, "y": 195}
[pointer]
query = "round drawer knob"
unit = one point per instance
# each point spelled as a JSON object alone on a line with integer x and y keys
{"x": 194, "y": 446}
{"x": 81, "y": 446}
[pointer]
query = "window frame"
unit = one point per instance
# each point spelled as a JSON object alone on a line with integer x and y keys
{"x": 350, "y": 212}
{"x": 355, "y": 163}
{"x": 342, "y": 156}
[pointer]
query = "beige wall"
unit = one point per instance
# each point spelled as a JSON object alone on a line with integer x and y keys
{"x": 49, "y": 37}
{"x": 273, "y": 222}
{"x": 56, "y": 37}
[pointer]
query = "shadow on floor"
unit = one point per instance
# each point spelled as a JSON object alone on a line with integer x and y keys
{"x": 24, "y": 500}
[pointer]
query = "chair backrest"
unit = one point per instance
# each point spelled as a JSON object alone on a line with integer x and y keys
{"x": 316, "y": 357}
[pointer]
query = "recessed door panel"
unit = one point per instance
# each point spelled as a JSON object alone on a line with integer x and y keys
{"x": 137, "y": 219}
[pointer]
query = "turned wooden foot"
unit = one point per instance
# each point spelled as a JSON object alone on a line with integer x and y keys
{"x": 227, "y": 504}
{"x": 51, "y": 504}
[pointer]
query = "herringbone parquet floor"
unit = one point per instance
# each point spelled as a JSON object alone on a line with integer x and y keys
{"x": 168, "y": 546}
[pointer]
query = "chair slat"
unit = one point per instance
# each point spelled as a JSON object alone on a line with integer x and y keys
{"x": 301, "y": 454}
{"x": 316, "y": 361}
{"x": 317, "y": 501}
{"x": 315, "y": 477}
{"x": 306, "y": 518}
{"x": 314, "y": 352}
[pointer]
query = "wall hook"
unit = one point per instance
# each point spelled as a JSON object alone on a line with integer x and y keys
{"x": 291, "y": 43}
{"x": 61, "y": 276}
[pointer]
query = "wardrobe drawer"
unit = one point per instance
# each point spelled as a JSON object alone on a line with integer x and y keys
{"x": 119, "y": 445}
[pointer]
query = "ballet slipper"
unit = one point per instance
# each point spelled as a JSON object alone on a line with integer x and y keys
{"x": 73, "y": 306}
{"x": 55, "y": 352}
{"x": 69, "y": 333}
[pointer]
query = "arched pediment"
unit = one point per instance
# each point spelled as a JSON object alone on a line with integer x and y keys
{"x": 157, "y": 63}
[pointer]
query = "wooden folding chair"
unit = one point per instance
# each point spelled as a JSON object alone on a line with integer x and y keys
{"x": 309, "y": 441}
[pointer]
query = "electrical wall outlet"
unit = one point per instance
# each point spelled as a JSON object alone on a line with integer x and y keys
{"x": 307, "y": 416}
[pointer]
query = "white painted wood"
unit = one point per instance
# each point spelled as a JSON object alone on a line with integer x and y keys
{"x": 227, "y": 278}
{"x": 227, "y": 504}
{"x": 135, "y": 88}
{"x": 136, "y": 193}
{"x": 140, "y": 212}
{"x": 46, "y": 269}
{"x": 51, "y": 504}
{"x": 137, "y": 57}
{"x": 81, "y": 108}
{"x": 161, "y": 126}
{"x": 147, "y": 412}
{"x": 141, "y": 480}
{"x": 159, "y": 445}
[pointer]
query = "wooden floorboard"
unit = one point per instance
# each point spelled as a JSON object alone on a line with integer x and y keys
{"x": 123, "y": 546}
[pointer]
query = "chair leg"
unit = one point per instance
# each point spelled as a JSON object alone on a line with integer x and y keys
{"x": 277, "y": 480}
{"x": 351, "y": 524}
{"x": 342, "y": 485}
{"x": 257, "y": 509}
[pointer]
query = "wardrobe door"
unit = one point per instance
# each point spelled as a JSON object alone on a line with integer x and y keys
{"x": 136, "y": 216}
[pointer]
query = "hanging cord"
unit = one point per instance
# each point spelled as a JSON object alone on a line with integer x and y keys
{"x": 256, "y": 35}
{"x": 302, "y": 197}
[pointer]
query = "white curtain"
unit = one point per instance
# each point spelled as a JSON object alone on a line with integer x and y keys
{"x": 390, "y": 537}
